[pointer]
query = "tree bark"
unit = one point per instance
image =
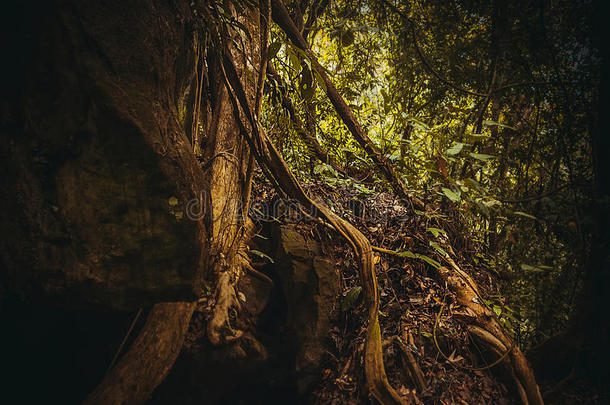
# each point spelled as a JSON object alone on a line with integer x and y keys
{"x": 96, "y": 162}
{"x": 103, "y": 199}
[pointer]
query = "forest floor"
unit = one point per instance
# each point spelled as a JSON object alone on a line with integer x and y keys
{"x": 415, "y": 305}
{"x": 412, "y": 299}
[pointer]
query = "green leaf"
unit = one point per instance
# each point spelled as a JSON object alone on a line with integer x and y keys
{"x": 273, "y": 49}
{"x": 534, "y": 269}
{"x": 438, "y": 248}
{"x": 308, "y": 92}
{"x": 173, "y": 201}
{"x": 455, "y": 149}
{"x": 490, "y": 123}
{"x": 411, "y": 255}
{"x": 350, "y": 299}
{"x": 481, "y": 156}
{"x": 407, "y": 253}
{"x": 435, "y": 231}
{"x": 261, "y": 254}
{"x": 429, "y": 260}
{"x": 523, "y": 214}
{"x": 452, "y": 195}
{"x": 472, "y": 183}
{"x": 319, "y": 168}
{"x": 295, "y": 63}
{"x": 363, "y": 189}
{"x": 415, "y": 123}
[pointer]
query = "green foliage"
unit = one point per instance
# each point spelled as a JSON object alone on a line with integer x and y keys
{"x": 515, "y": 165}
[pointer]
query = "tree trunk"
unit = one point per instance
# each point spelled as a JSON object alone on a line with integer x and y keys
{"x": 103, "y": 197}
{"x": 97, "y": 166}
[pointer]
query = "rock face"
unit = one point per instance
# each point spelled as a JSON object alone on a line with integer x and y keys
{"x": 311, "y": 287}
{"x": 96, "y": 164}
{"x": 279, "y": 359}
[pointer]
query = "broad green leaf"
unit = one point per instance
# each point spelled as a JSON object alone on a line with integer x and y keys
{"x": 455, "y": 149}
{"x": 490, "y": 123}
{"x": 438, "y": 248}
{"x": 481, "y": 156}
{"x": 415, "y": 123}
{"x": 295, "y": 63}
{"x": 472, "y": 183}
{"x": 429, "y": 260}
{"x": 363, "y": 189}
{"x": 308, "y": 92}
{"x": 435, "y": 231}
{"x": 407, "y": 253}
{"x": 452, "y": 195}
{"x": 411, "y": 255}
{"x": 534, "y": 269}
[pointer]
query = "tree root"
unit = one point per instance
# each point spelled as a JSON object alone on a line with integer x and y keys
{"x": 149, "y": 359}
{"x": 219, "y": 326}
{"x": 485, "y": 327}
{"x": 410, "y": 364}
{"x": 270, "y": 159}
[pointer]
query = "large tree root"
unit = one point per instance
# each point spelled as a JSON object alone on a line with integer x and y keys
{"x": 149, "y": 359}
{"x": 484, "y": 326}
{"x": 272, "y": 162}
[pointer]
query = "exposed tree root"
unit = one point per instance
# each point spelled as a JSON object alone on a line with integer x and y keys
{"x": 270, "y": 159}
{"x": 149, "y": 359}
{"x": 219, "y": 325}
{"x": 417, "y": 377}
{"x": 484, "y": 325}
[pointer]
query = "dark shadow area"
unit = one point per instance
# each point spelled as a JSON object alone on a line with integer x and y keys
{"x": 55, "y": 355}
